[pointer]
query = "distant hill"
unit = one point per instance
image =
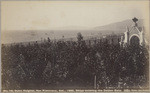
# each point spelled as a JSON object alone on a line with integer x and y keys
{"x": 119, "y": 26}
{"x": 67, "y": 32}
{"x": 66, "y": 28}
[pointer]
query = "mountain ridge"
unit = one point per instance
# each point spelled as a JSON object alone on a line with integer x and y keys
{"x": 120, "y": 25}
{"x": 34, "y": 35}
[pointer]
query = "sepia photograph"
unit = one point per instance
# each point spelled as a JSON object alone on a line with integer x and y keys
{"x": 78, "y": 46}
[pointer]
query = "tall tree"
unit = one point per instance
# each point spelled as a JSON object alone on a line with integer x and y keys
{"x": 79, "y": 37}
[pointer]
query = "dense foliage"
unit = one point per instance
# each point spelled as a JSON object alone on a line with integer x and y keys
{"x": 53, "y": 65}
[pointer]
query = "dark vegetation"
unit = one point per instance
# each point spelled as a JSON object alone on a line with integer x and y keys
{"x": 73, "y": 65}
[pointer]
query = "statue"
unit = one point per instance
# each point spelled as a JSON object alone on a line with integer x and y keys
{"x": 135, "y": 20}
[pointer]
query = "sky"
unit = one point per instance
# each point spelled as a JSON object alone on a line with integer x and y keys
{"x": 47, "y": 15}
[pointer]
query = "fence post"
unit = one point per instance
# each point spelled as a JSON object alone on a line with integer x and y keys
{"x": 95, "y": 82}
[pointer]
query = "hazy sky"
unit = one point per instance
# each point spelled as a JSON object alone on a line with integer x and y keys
{"x": 45, "y": 15}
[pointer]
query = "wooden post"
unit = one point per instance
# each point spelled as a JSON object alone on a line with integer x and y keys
{"x": 95, "y": 82}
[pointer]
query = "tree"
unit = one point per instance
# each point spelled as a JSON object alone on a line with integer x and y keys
{"x": 48, "y": 39}
{"x": 79, "y": 37}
